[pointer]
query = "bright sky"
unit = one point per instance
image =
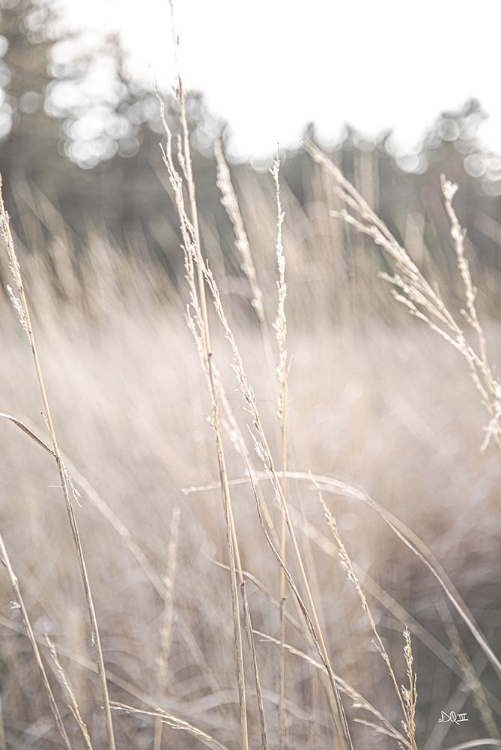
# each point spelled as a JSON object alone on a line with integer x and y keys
{"x": 270, "y": 66}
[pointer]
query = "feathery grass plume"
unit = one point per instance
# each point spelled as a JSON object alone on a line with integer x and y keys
{"x": 280, "y": 327}
{"x": 166, "y": 630}
{"x": 416, "y": 545}
{"x": 198, "y": 323}
{"x": 264, "y": 452}
{"x": 21, "y": 305}
{"x": 19, "y": 602}
{"x": 486, "y": 380}
{"x": 410, "y": 693}
{"x": 381, "y": 595}
{"x": 174, "y": 722}
{"x": 74, "y": 707}
{"x": 359, "y": 701}
{"x": 329, "y": 548}
{"x": 406, "y": 535}
{"x": 280, "y": 324}
{"x": 230, "y": 203}
{"x": 405, "y": 697}
{"x": 412, "y": 290}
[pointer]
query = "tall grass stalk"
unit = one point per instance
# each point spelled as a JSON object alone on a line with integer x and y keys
{"x": 416, "y": 545}
{"x": 73, "y": 704}
{"x": 166, "y": 630}
{"x": 230, "y": 202}
{"x": 419, "y": 297}
{"x": 281, "y": 331}
{"x": 359, "y": 701}
{"x": 197, "y": 268}
{"x": 19, "y": 601}
{"x": 174, "y": 722}
{"x": 21, "y": 305}
{"x": 199, "y": 324}
{"x": 263, "y": 449}
{"x": 405, "y": 697}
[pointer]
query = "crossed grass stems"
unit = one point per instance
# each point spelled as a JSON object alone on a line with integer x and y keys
{"x": 410, "y": 288}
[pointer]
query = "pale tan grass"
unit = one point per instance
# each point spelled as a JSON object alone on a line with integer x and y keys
{"x": 359, "y": 701}
{"x": 396, "y": 609}
{"x": 99, "y": 503}
{"x": 168, "y": 614}
{"x": 199, "y": 325}
{"x": 173, "y": 722}
{"x": 21, "y": 305}
{"x": 75, "y": 709}
{"x": 19, "y": 602}
{"x": 229, "y": 201}
{"x": 417, "y": 295}
{"x": 263, "y": 450}
{"x": 281, "y": 332}
{"x": 406, "y": 535}
{"x": 405, "y": 697}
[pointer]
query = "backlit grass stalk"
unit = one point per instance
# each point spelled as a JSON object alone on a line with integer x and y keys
{"x": 73, "y": 705}
{"x": 262, "y": 447}
{"x": 406, "y": 697}
{"x": 359, "y": 701}
{"x": 281, "y": 332}
{"x": 174, "y": 722}
{"x": 229, "y": 201}
{"x": 313, "y": 627}
{"x": 21, "y": 305}
{"x": 166, "y": 630}
{"x": 19, "y": 601}
{"x": 199, "y": 325}
{"x": 417, "y": 547}
{"x": 200, "y": 329}
{"x": 412, "y": 290}
{"x": 198, "y": 321}
{"x": 411, "y": 540}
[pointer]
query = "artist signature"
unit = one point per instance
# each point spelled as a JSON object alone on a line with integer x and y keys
{"x": 453, "y": 716}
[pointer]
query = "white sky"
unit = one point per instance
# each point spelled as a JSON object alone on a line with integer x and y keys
{"x": 270, "y": 66}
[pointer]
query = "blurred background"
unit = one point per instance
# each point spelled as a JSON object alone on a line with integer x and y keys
{"x": 376, "y": 400}
{"x": 80, "y": 128}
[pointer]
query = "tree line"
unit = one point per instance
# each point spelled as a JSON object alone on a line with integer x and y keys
{"x": 93, "y": 151}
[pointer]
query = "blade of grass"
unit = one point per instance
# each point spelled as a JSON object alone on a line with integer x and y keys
{"x": 21, "y": 305}
{"x": 4, "y": 558}
{"x": 199, "y": 325}
{"x": 281, "y": 331}
{"x": 166, "y": 631}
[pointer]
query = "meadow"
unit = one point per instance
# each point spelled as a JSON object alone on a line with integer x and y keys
{"x": 291, "y": 535}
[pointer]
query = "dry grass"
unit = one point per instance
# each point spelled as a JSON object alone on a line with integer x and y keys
{"x": 236, "y": 626}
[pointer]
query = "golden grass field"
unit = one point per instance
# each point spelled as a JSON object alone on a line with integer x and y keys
{"x": 375, "y": 400}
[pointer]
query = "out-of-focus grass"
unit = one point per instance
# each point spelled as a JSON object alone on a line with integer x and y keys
{"x": 386, "y": 408}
